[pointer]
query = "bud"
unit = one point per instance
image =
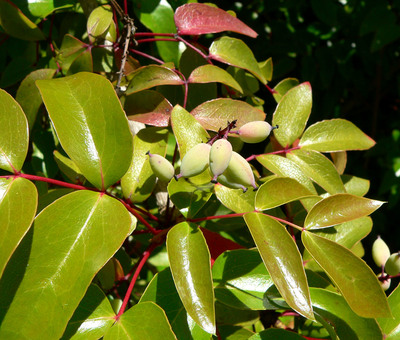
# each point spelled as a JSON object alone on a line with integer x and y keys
{"x": 385, "y": 284}
{"x": 220, "y": 155}
{"x": 255, "y": 132}
{"x": 392, "y": 266}
{"x": 195, "y": 160}
{"x": 161, "y": 167}
{"x": 380, "y": 252}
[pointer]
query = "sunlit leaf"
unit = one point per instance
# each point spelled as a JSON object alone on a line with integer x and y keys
{"x": 91, "y": 125}
{"x": 292, "y": 114}
{"x": 190, "y": 266}
{"x": 355, "y": 280}
{"x": 14, "y": 133}
{"x": 338, "y": 209}
{"x": 282, "y": 259}
{"x": 274, "y": 333}
{"x": 355, "y": 185}
{"x": 99, "y": 20}
{"x": 266, "y": 68}
{"x": 235, "y": 199}
{"x": 69, "y": 168}
{"x": 284, "y": 86}
{"x": 196, "y": 19}
{"x": 38, "y": 9}
{"x": 335, "y": 135}
{"x": 391, "y": 327}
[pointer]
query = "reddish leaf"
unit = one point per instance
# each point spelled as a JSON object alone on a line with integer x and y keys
{"x": 202, "y": 19}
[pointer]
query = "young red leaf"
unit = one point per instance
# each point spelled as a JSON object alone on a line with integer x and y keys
{"x": 197, "y": 19}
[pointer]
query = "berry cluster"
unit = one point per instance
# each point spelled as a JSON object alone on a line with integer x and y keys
{"x": 227, "y": 167}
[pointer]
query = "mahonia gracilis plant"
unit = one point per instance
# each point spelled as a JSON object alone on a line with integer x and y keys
{"x": 124, "y": 204}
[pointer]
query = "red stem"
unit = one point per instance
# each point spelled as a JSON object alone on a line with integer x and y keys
{"x": 207, "y": 218}
{"x": 285, "y": 222}
{"x": 139, "y": 217}
{"x": 285, "y": 151}
{"x": 194, "y": 48}
{"x": 151, "y": 34}
{"x": 146, "y": 55}
{"x": 139, "y": 267}
{"x": 155, "y": 39}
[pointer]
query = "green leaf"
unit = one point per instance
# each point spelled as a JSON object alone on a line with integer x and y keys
{"x": 38, "y": 9}
{"x": 16, "y": 24}
{"x": 28, "y": 95}
{"x": 338, "y": 209}
{"x": 354, "y": 279}
{"x": 210, "y": 74}
{"x": 99, "y": 20}
{"x": 139, "y": 323}
{"x": 148, "y": 107}
{"x": 138, "y": 182}
{"x": 235, "y": 199}
{"x": 18, "y": 202}
{"x": 161, "y": 290}
{"x": 153, "y": 75}
{"x": 241, "y": 279}
{"x": 189, "y": 259}
{"x": 335, "y": 135}
{"x": 14, "y": 134}
{"x": 266, "y": 68}
{"x": 69, "y": 168}
{"x": 284, "y": 167}
{"x": 188, "y": 132}
{"x": 235, "y": 52}
{"x": 283, "y": 261}
{"x": 284, "y": 86}
{"x": 347, "y": 324}
{"x": 274, "y": 333}
{"x": 71, "y": 49}
{"x": 391, "y": 327}
{"x": 51, "y": 269}
{"x": 158, "y": 17}
{"x": 292, "y": 114}
{"x": 279, "y": 191}
{"x": 215, "y": 114}
{"x": 188, "y": 197}
{"x": 349, "y": 233}
{"x": 319, "y": 168}
{"x": 82, "y": 63}
{"x": 90, "y": 124}
{"x": 355, "y": 185}
{"x": 93, "y": 317}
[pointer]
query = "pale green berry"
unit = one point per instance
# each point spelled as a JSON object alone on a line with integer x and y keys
{"x": 195, "y": 161}
{"x": 392, "y": 266}
{"x": 239, "y": 171}
{"x": 380, "y": 252}
{"x": 385, "y": 284}
{"x": 254, "y": 132}
{"x": 161, "y": 167}
{"x": 220, "y": 155}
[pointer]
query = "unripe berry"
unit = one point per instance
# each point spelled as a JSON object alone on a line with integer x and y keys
{"x": 220, "y": 155}
{"x": 392, "y": 266}
{"x": 226, "y": 181}
{"x": 380, "y": 252}
{"x": 385, "y": 284}
{"x": 239, "y": 171}
{"x": 254, "y": 132}
{"x": 161, "y": 167}
{"x": 195, "y": 160}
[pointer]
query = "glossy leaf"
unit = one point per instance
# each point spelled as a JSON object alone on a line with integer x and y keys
{"x": 292, "y": 114}
{"x": 210, "y": 74}
{"x": 138, "y": 182}
{"x": 148, "y": 107}
{"x": 279, "y": 191}
{"x": 284, "y": 86}
{"x": 349, "y": 233}
{"x": 138, "y": 323}
{"x": 215, "y": 114}
{"x": 241, "y": 279}
{"x": 275, "y": 333}
{"x": 391, "y": 327}
{"x": 51, "y": 269}
{"x": 188, "y": 132}
{"x": 338, "y": 209}
{"x": 38, "y": 9}
{"x": 82, "y": 63}
{"x": 99, "y": 20}
{"x": 93, "y": 317}
{"x": 335, "y": 135}
{"x": 340, "y": 160}
{"x": 283, "y": 261}
{"x": 284, "y": 167}
{"x": 235, "y": 52}
{"x": 28, "y": 95}
{"x": 69, "y": 168}
{"x": 347, "y": 324}
{"x": 161, "y": 290}
{"x": 266, "y": 68}
{"x": 14, "y": 134}
{"x": 355, "y": 185}
{"x": 71, "y": 50}
{"x": 91, "y": 125}
{"x": 235, "y": 199}
{"x": 354, "y": 279}
{"x": 188, "y": 197}
{"x": 16, "y": 24}
{"x": 18, "y": 202}
{"x": 196, "y": 19}
{"x": 319, "y": 168}
{"x": 147, "y": 77}
{"x": 190, "y": 266}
